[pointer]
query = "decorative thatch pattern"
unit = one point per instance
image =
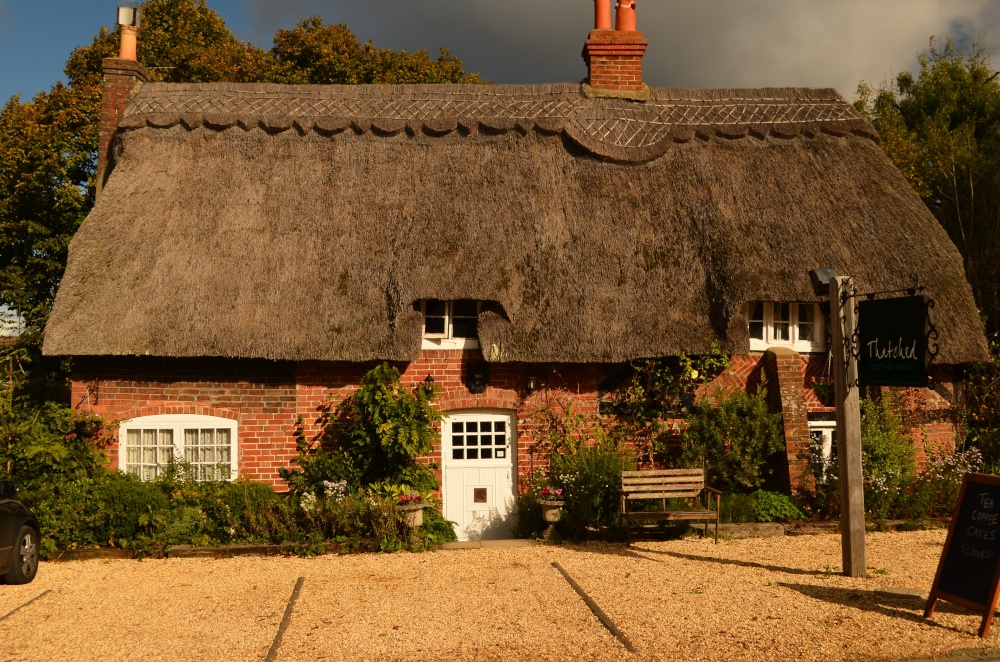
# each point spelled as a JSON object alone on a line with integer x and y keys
{"x": 611, "y": 128}
{"x": 303, "y": 222}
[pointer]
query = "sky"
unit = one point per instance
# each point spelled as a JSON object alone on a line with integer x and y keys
{"x": 693, "y": 43}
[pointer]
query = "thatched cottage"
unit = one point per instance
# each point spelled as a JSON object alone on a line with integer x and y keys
{"x": 256, "y": 248}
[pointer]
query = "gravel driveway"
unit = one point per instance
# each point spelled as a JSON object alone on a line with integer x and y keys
{"x": 769, "y": 598}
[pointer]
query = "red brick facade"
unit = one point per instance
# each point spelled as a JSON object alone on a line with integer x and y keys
{"x": 266, "y": 398}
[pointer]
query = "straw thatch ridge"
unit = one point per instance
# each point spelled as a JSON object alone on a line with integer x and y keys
{"x": 304, "y": 222}
{"x": 611, "y": 128}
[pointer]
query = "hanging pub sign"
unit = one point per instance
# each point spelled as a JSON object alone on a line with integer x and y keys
{"x": 969, "y": 571}
{"x": 892, "y": 342}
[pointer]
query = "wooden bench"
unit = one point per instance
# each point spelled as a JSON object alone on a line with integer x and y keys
{"x": 666, "y": 484}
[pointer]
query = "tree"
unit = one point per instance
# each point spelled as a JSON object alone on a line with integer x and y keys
{"x": 48, "y": 146}
{"x": 330, "y": 54}
{"x": 942, "y": 129}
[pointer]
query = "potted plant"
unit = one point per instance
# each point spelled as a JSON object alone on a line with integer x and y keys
{"x": 551, "y": 501}
{"x": 411, "y": 506}
{"x": 823, "y": 388}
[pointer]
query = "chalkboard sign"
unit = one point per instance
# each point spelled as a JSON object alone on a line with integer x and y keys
{"x": 969, "y": 571}
{"x": 892, "y": 342}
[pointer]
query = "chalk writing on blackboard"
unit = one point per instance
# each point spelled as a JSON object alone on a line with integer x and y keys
{"x": 969, "y": 571}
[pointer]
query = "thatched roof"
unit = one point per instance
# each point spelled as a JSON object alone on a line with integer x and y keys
{"x": 288, "y": 222}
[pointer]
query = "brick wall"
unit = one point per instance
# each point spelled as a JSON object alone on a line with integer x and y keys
{"x": 259, "y": 395}
{"x": 267, "y": 397}
{"x": 614, "y": 60}
{"x": 120, "y": 78}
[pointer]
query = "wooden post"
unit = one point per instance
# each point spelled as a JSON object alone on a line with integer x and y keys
{"x": 845, "y": 371}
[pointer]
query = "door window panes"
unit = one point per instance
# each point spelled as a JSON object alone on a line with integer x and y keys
{"x": 479, "y": 440}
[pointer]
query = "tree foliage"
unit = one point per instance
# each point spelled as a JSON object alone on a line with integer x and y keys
{"x": 48, "y": 146}
{"x": 372, "y": 439}
{"x": 941, "y": 127}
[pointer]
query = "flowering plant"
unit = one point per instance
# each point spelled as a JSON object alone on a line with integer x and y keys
{"x": 409, "y": 499}
{"x": 552, "y": 494}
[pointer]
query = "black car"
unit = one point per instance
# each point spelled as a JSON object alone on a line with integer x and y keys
{"x": 18, "y": 538}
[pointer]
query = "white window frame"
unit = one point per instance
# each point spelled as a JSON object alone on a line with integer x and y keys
{"x": 445, "y": 340}
{"x": 818, "y": 344}
{"x": 178, "y": 423}
{"x": 828, "y": 431}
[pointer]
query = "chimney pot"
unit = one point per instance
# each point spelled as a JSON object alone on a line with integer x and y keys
{"x": 602, "y": 14}
{"x": 625, "y": 16}
{"x": 129, "y": 33}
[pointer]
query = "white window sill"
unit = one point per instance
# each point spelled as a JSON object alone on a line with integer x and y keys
{"x": 801, "y": 348}
{"x": 449, "y": 343}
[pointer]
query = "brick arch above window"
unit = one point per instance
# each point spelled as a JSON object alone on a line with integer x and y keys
{"x": 491, "y": 399}
{"x": 178, "y": 408}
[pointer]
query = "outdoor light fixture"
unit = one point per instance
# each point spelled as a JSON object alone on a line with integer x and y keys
{"x": 532, "y": 384}
{"x": 821, "y": 280}
{"x": 128, "y": 16}
{"x": 428, "y": 385}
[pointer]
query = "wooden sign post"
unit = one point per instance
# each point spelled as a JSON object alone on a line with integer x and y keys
{"x": 845, "y": 381}
{"x": 969, "y": 571}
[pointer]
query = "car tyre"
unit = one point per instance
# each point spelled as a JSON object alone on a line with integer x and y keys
{"x": 24, "y": 557}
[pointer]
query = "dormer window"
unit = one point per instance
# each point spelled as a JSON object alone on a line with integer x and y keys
{"x": 450, "y": 324}
{"x": 798, "y": 326}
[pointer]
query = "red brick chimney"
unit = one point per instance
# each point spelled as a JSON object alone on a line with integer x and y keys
{"x": 614, "y": 57}
{"x": 121, "y": 75}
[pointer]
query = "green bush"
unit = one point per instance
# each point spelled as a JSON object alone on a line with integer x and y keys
{"x": 590, "y": 477}
{"x": 776, "y": 507}
{"x": 372, "y": 438}
{"x": 111, "y": 509}
{"x": 738, "y": 441}
{"x": 738, "y": 509}
{"x": 887, "y": 457}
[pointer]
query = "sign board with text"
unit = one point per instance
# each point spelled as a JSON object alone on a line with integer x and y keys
{"x": 892, "y": 342}
{"x": 969, "y": 571}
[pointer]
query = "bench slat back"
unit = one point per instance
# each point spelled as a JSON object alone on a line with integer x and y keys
{"x": 663, "y": 483}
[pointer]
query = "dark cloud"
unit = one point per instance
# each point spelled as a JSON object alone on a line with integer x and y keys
{"x": 6, "y": 20}
{"x": 693, "y": 43}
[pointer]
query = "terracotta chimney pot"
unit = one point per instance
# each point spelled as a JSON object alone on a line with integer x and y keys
{"x": 602, "y": 14}
{"x": 625, "y": 16}
{"x": 129, "y": 33}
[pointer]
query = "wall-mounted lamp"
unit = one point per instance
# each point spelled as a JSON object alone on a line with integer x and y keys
{"x": 821, "y": 280}
{"x": 532, "y": 384}
{"x": 428, "y": 385}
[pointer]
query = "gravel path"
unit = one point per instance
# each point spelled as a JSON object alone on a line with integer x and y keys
{"x": 770, "y": 598}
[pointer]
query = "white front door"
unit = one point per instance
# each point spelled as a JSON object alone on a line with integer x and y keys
{"x": 479, "y": 472}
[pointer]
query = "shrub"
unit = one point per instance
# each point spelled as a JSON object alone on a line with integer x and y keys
{"x": 110, "y": 509}
{"x": 776, "y": 507}
{"x": 373, "y": 437}
{"x": 738, "y": 442}
{"x": 887, "y": 457}
{"x": 738, "y": 509}
{"x": 590, "y": 477}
